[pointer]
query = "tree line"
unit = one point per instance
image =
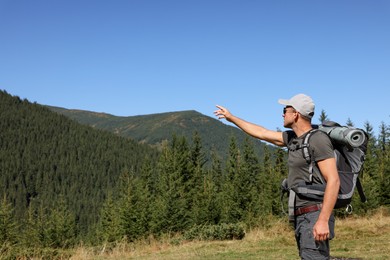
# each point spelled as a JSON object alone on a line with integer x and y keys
{"x": 63, "y": 183}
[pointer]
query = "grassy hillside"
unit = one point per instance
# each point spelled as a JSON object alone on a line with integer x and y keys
{"x": 155, "y": 128}
{"x": 356, "y": 238}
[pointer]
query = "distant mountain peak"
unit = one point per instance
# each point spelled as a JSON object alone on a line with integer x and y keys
{"x": 155, "y": 128}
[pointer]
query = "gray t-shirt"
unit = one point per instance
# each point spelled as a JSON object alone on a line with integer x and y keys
{"x": 321, "y": 148}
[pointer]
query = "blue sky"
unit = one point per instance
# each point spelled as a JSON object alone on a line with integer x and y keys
{"x": 139, "y": 57}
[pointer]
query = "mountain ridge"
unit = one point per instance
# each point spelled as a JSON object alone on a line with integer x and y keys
{"x": 156, "y": 128}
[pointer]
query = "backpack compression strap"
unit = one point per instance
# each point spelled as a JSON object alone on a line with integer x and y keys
{"x": 359, "y": 187}
{"x": 291, "y": 206}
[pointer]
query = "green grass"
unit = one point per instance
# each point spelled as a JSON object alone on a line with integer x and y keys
{"x": 356, "y": 238}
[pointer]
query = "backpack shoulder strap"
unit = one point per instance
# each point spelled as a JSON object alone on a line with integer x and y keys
{"x": 309, "y": 158}
{"x": 293, "y": 145}
{"x": 306, "y": 145}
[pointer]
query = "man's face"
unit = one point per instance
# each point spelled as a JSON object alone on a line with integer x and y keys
{"x": 289, "y": 116}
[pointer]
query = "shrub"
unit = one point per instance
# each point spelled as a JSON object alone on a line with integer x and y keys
{"x": 216, "y": 232}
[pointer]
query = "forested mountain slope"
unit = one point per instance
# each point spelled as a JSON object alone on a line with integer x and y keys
{"x": 155, "y": 128}
{"x": 46, "y": 157}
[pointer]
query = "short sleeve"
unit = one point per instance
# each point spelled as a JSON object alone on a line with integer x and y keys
{"x": 321, "y": 146}
{"x": 287, "y": 136}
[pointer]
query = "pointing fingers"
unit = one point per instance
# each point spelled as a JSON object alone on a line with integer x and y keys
{"x": 221, "y": 112}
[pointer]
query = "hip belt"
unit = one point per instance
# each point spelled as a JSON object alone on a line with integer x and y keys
{"x": 304, "y": 210}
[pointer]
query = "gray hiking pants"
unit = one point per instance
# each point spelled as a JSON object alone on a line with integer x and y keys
{"x": 307, "y": 246}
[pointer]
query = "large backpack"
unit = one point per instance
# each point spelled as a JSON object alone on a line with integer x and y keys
{"x": 350, "y": 146}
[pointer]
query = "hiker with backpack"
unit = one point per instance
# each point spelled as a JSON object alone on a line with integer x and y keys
{"x": 313, "y": 219}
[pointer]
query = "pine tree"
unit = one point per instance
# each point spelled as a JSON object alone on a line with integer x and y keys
{"x": 31, "y": 233}
{"x": 216, "y": 177}
{"x": 60, "y": 231}
{"x": 8, "y": 227}
{"x": 369, "y": 175}
{"x": 384, "y": 136}
{"x": 170, "y": 209}
{"x": 349, "y": 122}
{"x": 248, "y": 184}
{"x": 280, "y": 173}
{"x": 230, "y": 210}
{"x": 200, "y": 188}
{"x": 266, "y": 178}
{"x": 134, "y": 210}
{"x": 383, "y": 156}
{"x": 109, "y": 228}
{"x": 323, "y": 116}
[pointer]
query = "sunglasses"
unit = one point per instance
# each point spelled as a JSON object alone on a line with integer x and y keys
{"x": 285, "y": 110}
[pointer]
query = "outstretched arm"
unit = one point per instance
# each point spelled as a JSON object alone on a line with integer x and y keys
{"x": 254, "y": 130}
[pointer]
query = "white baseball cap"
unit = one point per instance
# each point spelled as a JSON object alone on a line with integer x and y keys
{"x": 301, "y": 103}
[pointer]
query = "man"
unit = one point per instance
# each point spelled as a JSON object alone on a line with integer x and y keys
{"x": 314, "y": 223}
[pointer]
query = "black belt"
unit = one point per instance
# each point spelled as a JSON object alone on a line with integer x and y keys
{"x": 304, "y": 210}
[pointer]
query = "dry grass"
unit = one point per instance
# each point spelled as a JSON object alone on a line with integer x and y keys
{"x": 365, "y": 238}
{"x": 356, "y": 238}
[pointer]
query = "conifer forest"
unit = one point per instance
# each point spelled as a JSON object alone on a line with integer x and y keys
{"x": 63, "y": 183}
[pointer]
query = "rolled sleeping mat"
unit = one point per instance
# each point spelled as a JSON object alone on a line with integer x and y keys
{"x": 352, "y": 137}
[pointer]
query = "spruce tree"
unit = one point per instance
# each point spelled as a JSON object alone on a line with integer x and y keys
{"x": 109, "y": 228}
{"x": 170, "y": 209}
{"x": 133, "y": 207}
{"x": 280, "y": 172}
{"x": 349, "y": 122}
{"x": 323, "y": 116}
{"x": 230, "y": 210}
{"x": 60, "y": 229}
{"x": 247, "y": 184}
{"x": 383, "y": 156}
{"x": 8, "y": 226}
{"x": 200, "y": 187}
{"x": 216, "y": 177}
{"x": 266, "y": 180}
{"x": 369, "y": 175}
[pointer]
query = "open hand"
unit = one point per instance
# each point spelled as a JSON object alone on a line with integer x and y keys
{"x": 222, "y": 112}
